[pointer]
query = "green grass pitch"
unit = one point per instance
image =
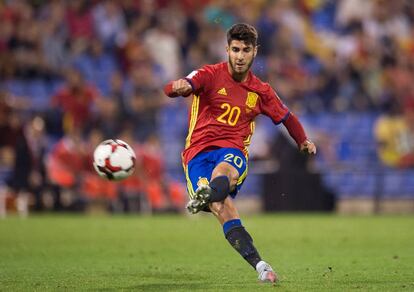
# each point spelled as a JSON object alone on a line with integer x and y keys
{"x": 310, "y": 252}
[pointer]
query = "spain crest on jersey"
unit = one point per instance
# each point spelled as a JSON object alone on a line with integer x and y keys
{"x": 251, "y": 99}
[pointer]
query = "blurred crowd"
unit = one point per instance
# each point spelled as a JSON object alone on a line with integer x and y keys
{"x": 76, "y": 72}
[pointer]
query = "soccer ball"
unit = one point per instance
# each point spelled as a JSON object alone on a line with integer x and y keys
{"x": 114, "y": 159}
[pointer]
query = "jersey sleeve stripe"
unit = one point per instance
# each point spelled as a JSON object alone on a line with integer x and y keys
{"x": 284, "y": 118}
{"x": 247, "y": 141}
{"x": 193, "y": 120}
{"x": 191, "y": 83}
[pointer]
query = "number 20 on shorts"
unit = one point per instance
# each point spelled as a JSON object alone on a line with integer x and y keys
{"x": 237, "y": 160}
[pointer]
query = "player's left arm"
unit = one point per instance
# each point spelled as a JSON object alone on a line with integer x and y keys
{"x": 273, "y": 107}
{"x": 297, "y": 132}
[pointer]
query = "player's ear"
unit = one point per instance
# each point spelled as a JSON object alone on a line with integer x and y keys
{"x": 227, "y": 49}
{"x": 255, "y": 51}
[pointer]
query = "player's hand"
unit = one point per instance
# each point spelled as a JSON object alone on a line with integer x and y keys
{"x": 182, "y": 87}
{"x": 308, "y": 147}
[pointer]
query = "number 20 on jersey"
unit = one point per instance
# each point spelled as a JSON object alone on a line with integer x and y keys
{"x": 230, "y": 115}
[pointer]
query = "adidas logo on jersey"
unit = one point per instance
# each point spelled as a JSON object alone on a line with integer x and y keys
{"x": 222, "y": 91}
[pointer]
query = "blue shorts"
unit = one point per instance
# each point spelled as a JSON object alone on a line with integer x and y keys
{"x": 200, "y": 168}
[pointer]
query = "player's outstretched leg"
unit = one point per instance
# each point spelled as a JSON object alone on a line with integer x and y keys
{"x": 240, "y": 239}
{"x": 242, "y": 242}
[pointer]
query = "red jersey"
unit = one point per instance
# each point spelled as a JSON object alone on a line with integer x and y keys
{"x": 223, "y": 110}
{"x": 76, "y": 104}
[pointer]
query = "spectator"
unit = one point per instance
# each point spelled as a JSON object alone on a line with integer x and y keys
{"x": 54, "y": 36}
{"x": 70, "y": 168}
{"x": 8, "y": 134}
{"x": 75, "y": 101}
{"x": 395, "y": 136}
{"x": 109, "y": 22}
{"x": 163, "y": 193}
{"x": 80, "y": 20}
{"x": 164, "y": 47}
{"x": 28, "y": 173}
{"x": 144, "y": 100}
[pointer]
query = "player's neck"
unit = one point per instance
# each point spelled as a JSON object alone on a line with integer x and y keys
{"x": 237, "y": 77}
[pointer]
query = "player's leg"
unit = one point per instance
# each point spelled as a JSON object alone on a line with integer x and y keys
{"x": 226, "y": 213}
{"x": 240, "y": 239}
{"x": 218, "y": 176}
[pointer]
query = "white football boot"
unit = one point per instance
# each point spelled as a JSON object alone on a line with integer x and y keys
{"x": 203, "y": 193}
{"x": 200, "y": 200}
{"x": 194, "y": 206}
{"x": 266, "y": 273}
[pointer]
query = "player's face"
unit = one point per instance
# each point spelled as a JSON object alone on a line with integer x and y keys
{"x": 241, "y": 56}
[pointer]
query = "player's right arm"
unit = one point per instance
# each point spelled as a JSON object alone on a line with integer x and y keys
{"x": 195, "y": 82}
{"x": 180, "y": 87}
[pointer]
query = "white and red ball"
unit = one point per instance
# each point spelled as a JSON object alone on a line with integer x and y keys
{"x": 114, "y": 159}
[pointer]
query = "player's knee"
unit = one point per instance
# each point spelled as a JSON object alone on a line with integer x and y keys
{"x": 232, "y": 178}
{"x": 220, "y": 188}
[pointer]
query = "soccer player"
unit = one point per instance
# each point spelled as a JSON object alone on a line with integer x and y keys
{"x": 226, "y": 99}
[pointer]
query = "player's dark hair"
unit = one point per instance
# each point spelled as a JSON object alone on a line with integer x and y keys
{"x": 242, "y": 32}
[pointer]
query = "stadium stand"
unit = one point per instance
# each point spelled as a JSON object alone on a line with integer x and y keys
{"x": 335, "y": 63}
